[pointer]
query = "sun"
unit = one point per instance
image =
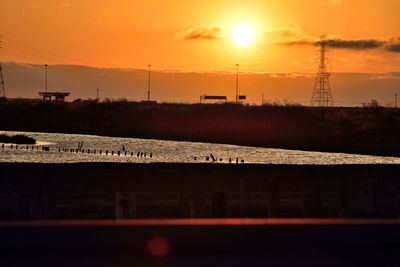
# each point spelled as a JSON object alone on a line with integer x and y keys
{"x": 243, "y": 35}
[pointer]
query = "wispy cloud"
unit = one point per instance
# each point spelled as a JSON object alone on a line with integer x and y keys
{"x": 339, "y": 43}
{"x": 393, "y": 45}
{"x": 202, "y": 32}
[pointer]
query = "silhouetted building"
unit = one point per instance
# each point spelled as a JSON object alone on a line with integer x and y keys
{"x": 56, "y": 96}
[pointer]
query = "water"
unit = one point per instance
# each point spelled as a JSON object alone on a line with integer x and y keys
{"x": 167, "y": 151}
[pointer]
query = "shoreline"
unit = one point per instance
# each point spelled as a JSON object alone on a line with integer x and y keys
{"x": 365, "y": 131}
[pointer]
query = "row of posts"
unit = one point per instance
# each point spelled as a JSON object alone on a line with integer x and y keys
{"x": 88, "y": 151}
{"x": 27, "y": 147}
{"x": 106, "y": 152}
{"x": 215, "y": 159}
{"x": 39, "y": 205}
{"x": 125, "y": 202}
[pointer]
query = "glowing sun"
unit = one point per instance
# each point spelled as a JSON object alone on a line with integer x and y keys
{"x": 243, "y": 35}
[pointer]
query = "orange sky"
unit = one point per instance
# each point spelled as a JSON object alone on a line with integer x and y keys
{"x": 133, "y": 33}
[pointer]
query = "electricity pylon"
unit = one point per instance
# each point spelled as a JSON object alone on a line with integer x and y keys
{"x": 322, "y": 96}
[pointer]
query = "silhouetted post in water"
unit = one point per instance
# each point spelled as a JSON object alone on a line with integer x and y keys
{"x": 123, "y": 148}
{"x": 125, "y": 205}
{"x": 112, "y": 152}
{"x": 106, "y": 152}
{"x": 151, "y": 154}
{"x": 94, "y": 152}
{"x": 194, "y": 158}
{"x": 101, "y": 151}
{"x": 311, "y": 200}
{"x": 345, "y": 201}
{"x": 371, "y": 192}
{"x": 41, "y": 203}
{"x": 131, "y": 154}
{"x": 273, "y": 197}
{"x": 88, "y": 151}
{"x": 237, "y": 160}
{"x": 230, "y": 160}
{"x": 138, "y": 154}
{"x": 119, "y": 153}
{"x": 125, "y": 153}
{"x": 196, "y": 198}
{"x": 219, "y": 204}
{"x": 24, "y": 207}
{"x": 244, "y": 198}
{"x": 183, "y": 203}
{"x": 207, "y": 158}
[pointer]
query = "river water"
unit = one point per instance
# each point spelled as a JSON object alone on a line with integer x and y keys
{"x": 164, "y": 151}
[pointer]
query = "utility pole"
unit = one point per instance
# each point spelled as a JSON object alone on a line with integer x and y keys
{"x": 45, "y": 77}
{"x": 2, "y": 83}
{"x": 3, "y": 91}
{"x": 395, "y": 100}
{"x": 148, "y": 91}
{"x": 262, "y": 99}
{"x": 237, "y": 83}
{"x": 97, "y": 94}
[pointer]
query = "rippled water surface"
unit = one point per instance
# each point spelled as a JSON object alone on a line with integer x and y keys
{"x": 164, "y": 151}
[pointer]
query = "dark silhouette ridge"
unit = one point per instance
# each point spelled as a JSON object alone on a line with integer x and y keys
{"x": 364, "y": 130}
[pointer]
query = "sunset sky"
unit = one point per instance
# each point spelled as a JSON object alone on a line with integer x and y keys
{"x": 177, "y": 35}
{"x": 197, "y": 35}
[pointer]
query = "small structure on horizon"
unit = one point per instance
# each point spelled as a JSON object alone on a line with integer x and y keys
{"x": 203, "y": 98}
{"x": 148, "y": 102}
{"x": 56, "y": 96}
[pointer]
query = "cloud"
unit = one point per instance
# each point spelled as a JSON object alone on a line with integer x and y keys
{"x": 393, "y": 46}
{"x": 363, "y": 44}
{"x": 355, "y": 44}
{"x": 67, "y": 4}
{"x": 202, "y": 33}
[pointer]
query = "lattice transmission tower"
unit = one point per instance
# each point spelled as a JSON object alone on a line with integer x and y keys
{"x": 322, "y": 96}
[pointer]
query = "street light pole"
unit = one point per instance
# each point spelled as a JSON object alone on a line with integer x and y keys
{"x": 148, "y": 92}
{"x": 237, "y": 82}
{"x": 45, "y": 77}
{"x": 97, "y": 94}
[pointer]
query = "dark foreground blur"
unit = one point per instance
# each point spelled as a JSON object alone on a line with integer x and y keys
{"x": 202, "y": 242}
